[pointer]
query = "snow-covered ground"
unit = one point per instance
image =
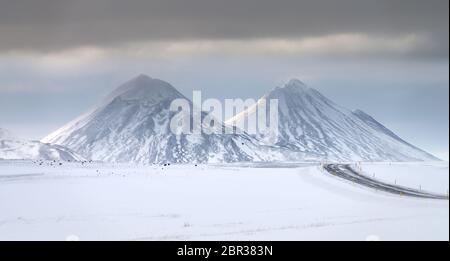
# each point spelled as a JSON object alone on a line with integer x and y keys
{"x": 98, "y": 201}
{"x": 427, "y": 176}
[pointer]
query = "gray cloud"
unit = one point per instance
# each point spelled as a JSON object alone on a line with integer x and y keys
{"x": 46, "y": 25}
{"x": 386, "y": 57}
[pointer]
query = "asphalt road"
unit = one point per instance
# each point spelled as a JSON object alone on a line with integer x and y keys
{"x": 345, "y": 171}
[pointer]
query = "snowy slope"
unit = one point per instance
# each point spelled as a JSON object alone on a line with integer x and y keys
{"x": 14, "y": 148}
{"x": 132, "y": 125}
{"x": 311, "y": 123}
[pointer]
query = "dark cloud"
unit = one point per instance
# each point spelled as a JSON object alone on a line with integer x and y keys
{"x": 46, "y": 25}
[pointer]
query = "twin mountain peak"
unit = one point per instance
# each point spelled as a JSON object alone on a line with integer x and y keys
{"x": 311, "y": 128}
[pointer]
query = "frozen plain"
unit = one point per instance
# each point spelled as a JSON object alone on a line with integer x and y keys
{"x": 100, "y": 201}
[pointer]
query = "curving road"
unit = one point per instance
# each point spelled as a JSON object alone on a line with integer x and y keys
{"x": 346, "y": 172}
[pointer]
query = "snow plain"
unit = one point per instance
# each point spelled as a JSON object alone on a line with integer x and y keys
{"x": 99, "y": 201}
{"x": 419, "y": 175}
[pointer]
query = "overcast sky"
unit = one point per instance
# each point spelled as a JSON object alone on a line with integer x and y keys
{"x": 389, "y": 58}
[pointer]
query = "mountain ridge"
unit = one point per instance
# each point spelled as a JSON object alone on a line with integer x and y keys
{"x": 132, "y": 124}
{"x": 311, "y": 123}
{"x": 11, "y": 147}
{"x": 128, "y": 129}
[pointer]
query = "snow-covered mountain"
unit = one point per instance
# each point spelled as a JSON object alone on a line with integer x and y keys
{"x": 13, "y": 148}
{"x": 311, "y": 123}
{"x": 132, "y": 125}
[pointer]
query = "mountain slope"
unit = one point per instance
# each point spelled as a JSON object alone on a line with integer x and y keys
{"x": 13, "y": 148}
{"x": 311, "y": 123}
{"x": 132, "y": 125}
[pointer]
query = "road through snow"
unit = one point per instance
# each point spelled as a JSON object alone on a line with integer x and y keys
{"x": 345, "y": 171}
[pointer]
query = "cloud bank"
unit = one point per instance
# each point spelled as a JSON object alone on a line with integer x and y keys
{"x": 49, "y": 25}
